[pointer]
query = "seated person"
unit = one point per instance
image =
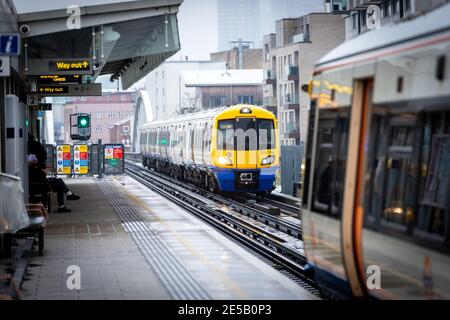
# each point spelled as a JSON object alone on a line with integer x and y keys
{"x": 37, "y": 175}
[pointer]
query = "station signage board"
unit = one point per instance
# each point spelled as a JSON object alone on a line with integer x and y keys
{"x": 41, "y": 107}
{"x": 69, "y": 66}
{"x": 81, "y": 159}
{"x": 63, "y": 159}
{"x": 32, "y": 99}
{"x": 10, "y": 44}
{"x": 113, "y": 159}
{"x": 60, "y": 79}
{"x": 70, "y": 90}
{"x": 5, "y": 66}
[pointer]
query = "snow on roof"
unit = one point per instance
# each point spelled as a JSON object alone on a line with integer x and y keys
{"x": 203, "y": 78}
{"x": 391, "y": 34}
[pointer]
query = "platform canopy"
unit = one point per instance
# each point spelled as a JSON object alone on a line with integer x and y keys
{"x": 126, "y": 39}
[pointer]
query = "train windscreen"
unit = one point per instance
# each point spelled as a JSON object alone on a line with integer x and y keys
{"x": 246, "y": 134}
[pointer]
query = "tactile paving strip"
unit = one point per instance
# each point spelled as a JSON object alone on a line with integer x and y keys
{"x": 176, "y": 279}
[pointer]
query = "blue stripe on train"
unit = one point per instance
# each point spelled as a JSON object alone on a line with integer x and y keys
{"x": 225, "y": 178}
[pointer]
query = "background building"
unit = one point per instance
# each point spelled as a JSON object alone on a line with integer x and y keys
{"x": 217, "y": 88}
{"x": 391, "y": 11}
{"x": 251, "y": 19}
{"x": 240, "y": 57}
{"x": 168, "y": 95}
{"x": 289, "y": 57}
{"x": 105, "y": 110}
{"x": 120, "y": 132}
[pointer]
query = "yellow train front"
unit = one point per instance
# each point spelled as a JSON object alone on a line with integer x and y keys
{"x": 244, "y": 149}
{"x": 229, "y": 149}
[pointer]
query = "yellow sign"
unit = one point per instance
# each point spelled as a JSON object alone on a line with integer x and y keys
{"x": 72, "y": 65}
{"x": 49, "y": 79}
{"x": 66, "y": 148}
{"x": 66, "y": 170}
{"x": 83, "y": 148}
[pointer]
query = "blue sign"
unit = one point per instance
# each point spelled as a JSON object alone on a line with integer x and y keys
{"x": 60, "y": 162}
{"x": 10, "y": 44}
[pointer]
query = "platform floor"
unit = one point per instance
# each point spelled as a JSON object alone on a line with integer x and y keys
{"x": 131, "y": 243}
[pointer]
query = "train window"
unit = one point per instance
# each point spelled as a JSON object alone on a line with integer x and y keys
{"x": 408, "y": 173}
{"x": 225, "y": 135}
{"x": 266, "y": 134}
{"x": 245, "y": 133}
{"x": 331, "y": 154}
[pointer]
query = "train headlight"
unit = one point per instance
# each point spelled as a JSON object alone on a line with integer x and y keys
{"x": 225, "y": 161}
{"x": 268, "y": 160}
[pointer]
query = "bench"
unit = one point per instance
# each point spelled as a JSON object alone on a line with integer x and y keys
{"x": 38, "y": 221}
{"x": 41, "y": 192}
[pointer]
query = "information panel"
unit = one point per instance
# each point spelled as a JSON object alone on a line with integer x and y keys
{"x": 63, "y": 159}
{"x": 81, "y": 159}
{"x": 113, "y": 159}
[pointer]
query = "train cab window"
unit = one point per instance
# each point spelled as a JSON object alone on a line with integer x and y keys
{"x": 331, "y": 154}
{"x": 266, "y": 134}
{"x": 225, "y": 135}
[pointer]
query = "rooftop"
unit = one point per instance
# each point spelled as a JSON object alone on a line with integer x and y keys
{"x": 208, "y": 78}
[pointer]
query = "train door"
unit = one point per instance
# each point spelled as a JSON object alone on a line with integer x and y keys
{"x": 246, "y": 143}
{"x": 191, "y": 143}
{"x": 353, "y": 207}
{"x": 207, "y": 144}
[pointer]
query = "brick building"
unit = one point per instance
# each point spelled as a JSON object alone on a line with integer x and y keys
{"x": 120, "y": 132}
{"x": 105, "y": 111}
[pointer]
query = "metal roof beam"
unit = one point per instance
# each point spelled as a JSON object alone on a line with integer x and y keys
{"x": 47, "y": 22}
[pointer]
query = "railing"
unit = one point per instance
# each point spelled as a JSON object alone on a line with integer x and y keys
{"x": 270, "y": 101}
{"x": 269, "y": 75}
{"x": 291, "y": 99}
{"x": 291, "y": 127}
{"x": 13, "y": 215}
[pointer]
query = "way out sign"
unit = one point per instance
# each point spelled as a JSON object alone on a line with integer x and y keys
{"x": 81, "y": 159}
{"x": 113, "y": 159}
{"x": 63, "y": 159}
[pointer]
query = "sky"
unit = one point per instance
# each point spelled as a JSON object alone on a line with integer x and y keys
{"x": 197, "y": 24}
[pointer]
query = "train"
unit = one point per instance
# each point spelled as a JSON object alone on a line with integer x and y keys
{"x": 227, "y": 149}
{"x": 376, "y": 172}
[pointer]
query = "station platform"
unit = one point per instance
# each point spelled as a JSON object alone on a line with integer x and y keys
{"x": 131, "y": 243}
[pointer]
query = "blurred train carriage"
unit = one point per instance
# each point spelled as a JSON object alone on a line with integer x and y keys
{"x": 231, "y": 149}
{"x": 376, "y": 217}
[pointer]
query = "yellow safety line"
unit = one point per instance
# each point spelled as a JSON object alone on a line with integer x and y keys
{"x": 230, "y": 283}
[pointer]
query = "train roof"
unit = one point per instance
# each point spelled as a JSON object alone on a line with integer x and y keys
{"x": 205, "y": 114}
{"x": 188, "y": 116}
{"x": 431, "y": 23}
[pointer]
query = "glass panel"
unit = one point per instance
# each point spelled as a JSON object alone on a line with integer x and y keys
{"x": 225, "y": 135}
{"x": 266, "y": 134}
{"x": 407, "y": 204}
{"x": 246, "y": 136}
{"x": 331, "y": 154}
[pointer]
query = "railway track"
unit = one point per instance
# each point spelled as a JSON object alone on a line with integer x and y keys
{"x": 255, "y": 230}
{"x": 287, "y": 221}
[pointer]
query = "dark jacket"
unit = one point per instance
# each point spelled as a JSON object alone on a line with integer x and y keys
{"x": 34, "y": 147}
{"x": 38, "y": 180}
